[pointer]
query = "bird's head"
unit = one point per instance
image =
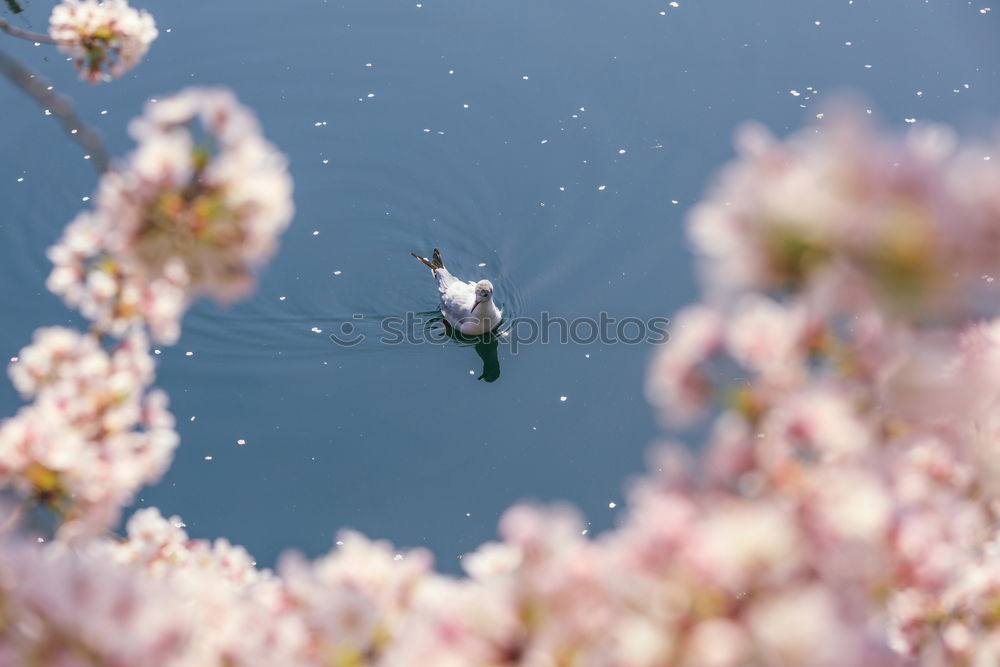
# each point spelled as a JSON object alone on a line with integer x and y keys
{"x": 484, "y": 292}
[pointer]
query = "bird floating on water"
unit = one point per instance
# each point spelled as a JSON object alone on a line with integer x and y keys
{"x": 466, "y": 306}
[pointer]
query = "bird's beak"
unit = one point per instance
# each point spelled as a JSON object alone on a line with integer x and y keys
{"x": 474, "y": 306}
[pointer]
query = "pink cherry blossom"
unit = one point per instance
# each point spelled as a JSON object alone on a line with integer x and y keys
{"x": 196, "y": 208}
{"x": 679, "y": 383}
{"x": 93, "y": 435}
{"x": 66, "y": 606}
{"x": 106, "y": 38}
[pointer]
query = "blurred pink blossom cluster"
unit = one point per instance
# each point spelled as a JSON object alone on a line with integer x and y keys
{"x": 70, "y": 606}
{"x": 850, "y": 337}
{"x": 159, "y": 598}
{"x": 93, "y": 435}
{"x": 196, "y": 208}
{"x": 712, "y": 581}
{"x": 847, "y": 216}
{"x": 106, "y": 38}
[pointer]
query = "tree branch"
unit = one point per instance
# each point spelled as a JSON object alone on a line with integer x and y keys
{"x": 17, "y": 32}
{"x": 60, "y": 106}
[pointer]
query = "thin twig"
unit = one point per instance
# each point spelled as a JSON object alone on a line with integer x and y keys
{"x": 17, "y": 32}
{"x": 60, "y": 106}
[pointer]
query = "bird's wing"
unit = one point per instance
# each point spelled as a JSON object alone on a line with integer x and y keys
{"x": 456, "y": 301}
{"x": 444, "y": 279}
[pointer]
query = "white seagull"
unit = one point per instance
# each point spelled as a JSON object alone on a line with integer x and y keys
{"x": 466, "y": 306}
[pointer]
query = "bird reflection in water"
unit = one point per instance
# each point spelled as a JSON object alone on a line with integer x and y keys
{"x": 486, "y": 347}
{"x": 486, "y": 344}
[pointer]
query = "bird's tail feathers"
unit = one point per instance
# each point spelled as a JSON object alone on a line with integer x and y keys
{"x": 433, "y": 263}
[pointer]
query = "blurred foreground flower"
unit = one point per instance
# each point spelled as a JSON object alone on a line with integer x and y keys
{"x": 848, "y": 215}
{"x": 196, "y": 208}
{"x": 106, "y": 38}
{"x": 850, "y": 338}
{"x": 93, "y": 436}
